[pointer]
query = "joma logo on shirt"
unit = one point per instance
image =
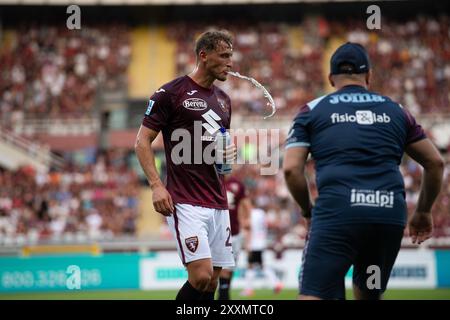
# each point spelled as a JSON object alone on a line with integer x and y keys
{"x": 355, "y": 98}
{"x": 195, "y": 104}
{"x": 364, "y": 117}
{"x": 372, "y": 198}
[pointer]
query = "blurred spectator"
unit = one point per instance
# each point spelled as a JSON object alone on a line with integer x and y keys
{"x": 53, "y": 72}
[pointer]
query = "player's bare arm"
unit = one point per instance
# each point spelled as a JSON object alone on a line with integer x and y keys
{"x": 162, "y": 201}
{"x": 294, "y": 174}
{"x": 245, "y": 207}
{"x": 426, "y": 154}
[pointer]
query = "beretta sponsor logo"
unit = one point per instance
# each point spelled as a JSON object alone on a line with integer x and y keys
{"x": 195, "y": 104}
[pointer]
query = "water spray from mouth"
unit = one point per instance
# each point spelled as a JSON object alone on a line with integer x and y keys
{"x": 259, "y": 86}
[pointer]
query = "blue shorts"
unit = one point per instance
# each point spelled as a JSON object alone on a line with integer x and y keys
{"x": 330, "y": 252}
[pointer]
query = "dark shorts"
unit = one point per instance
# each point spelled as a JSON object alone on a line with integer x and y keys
{"x": 255, "y": 257}
{"x": 330, "y": 252}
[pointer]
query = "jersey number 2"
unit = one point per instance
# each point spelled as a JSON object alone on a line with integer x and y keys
{"x": 228, "y": 243}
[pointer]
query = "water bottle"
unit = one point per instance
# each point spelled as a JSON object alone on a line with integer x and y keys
{"x": 223, "y": 140}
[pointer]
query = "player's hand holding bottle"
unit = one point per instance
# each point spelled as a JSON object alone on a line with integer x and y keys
{"x": 226, "y": 152}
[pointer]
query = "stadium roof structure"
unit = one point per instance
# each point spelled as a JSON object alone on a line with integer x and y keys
{"x": 164, "y": 2}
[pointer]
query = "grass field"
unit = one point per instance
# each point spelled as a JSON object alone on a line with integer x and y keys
{"x": 393, "y": 294}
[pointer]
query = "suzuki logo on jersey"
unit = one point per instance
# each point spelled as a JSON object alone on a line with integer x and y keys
{"x": 364, "y": 117}
{"x": 355, "y": 98}
{"x": 372, "y": 198}
{"x": 211, "y": 125}
{"x": 195, "y": 104}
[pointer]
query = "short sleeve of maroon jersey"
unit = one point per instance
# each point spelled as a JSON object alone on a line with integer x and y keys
{"x": 414, "y": 130}
{"x": 158, "y": 111}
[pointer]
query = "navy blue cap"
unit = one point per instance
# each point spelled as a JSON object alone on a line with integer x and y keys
{"x": 350, "y": 58}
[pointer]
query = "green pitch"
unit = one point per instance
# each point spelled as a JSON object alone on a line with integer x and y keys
{"x": 393, "y": 294}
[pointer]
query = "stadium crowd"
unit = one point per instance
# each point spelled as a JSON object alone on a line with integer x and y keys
{"x": 52, "y": 71}
{"x": 100, "y": 201}
{"x": 417, "y": 55}
{"x": 263, "y": 51}
{"x": 81, "y": 202}
{"x": 288, "y": 59}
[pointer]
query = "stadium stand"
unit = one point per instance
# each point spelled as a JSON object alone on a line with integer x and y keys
{"x": 79, "y": 203}
{"x": 50, "y": 72}
{"x": 55, "y": 80}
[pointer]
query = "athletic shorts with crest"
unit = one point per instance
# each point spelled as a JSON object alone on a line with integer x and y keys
{"x": 202, "y": 233}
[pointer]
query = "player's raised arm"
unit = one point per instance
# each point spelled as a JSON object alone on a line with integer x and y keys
{"x": 294, "y": 174}
{"x": 426, "y": 154}
{"x": 162, "y": 200}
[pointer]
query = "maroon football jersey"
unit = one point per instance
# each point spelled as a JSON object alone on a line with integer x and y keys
{"x": 183, "y": 107}
{"x": 235, "y": 193}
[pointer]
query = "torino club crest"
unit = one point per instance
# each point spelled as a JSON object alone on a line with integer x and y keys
{"x": 191, "y": 243}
